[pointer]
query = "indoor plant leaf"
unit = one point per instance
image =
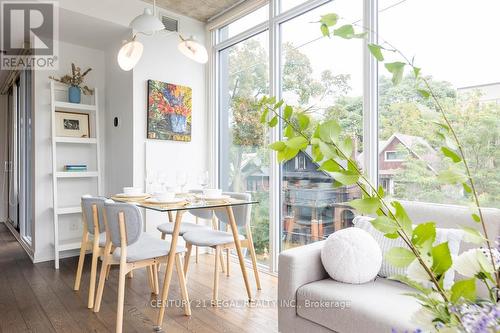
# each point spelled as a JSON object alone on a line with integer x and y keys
{"x": 399, "y": 257}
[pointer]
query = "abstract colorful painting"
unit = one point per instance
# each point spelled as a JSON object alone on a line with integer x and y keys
{"x": 169, "y": 111}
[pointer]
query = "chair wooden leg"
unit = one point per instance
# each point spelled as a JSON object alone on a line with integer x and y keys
{"x": 108, "y": 269}
{"x": 130, "y": 275}
{"x": 182, "y": 284}
{"x": 221, "y": 259}
{"x": 197, "y": 257}
{"x": 102, "y": 279}
{"x": 227, "y": 262}
{"x": 216, "y": 276}
{"x": 187, "y": 256}
{"x": 81, "y": 260}
{"x": 155, "y": 279}
{"x": 121, "y": 299}
{"x": 93, "y": 275}
{"x": 254, "y": 257}
{"x": 163, "y": 235}
{"x": 151, "y": 282}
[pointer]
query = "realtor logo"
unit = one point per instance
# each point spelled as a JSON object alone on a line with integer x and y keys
{"x": 29, "y": 35}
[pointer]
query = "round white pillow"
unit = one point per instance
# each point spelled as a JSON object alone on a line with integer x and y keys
{"x": 351, "y": 255}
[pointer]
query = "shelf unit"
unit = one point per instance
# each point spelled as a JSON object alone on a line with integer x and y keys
{"x": 73, "y": 241}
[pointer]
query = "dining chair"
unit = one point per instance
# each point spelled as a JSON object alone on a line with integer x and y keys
{"x": 220, "y": 240}
{"x": 203, "y": 214}
{"x": 93, "y": 238}
{"x": 134, "y": 249}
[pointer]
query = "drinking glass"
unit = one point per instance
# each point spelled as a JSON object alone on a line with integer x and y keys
{"x": 203, "y": 179}
{"x": 182, "y": 179}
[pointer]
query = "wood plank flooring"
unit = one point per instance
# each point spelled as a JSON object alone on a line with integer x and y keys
{"x": 37, "y": 298}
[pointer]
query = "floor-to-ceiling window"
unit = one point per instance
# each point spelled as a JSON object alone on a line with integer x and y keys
{"x": 322, "y": 78}
{"x": 244, "y": 157}
{"x": 462, "y": 66}
{"x": 278, "y": 49}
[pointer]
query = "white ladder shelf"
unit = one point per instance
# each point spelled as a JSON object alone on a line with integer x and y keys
{"x": 72, "y": 242}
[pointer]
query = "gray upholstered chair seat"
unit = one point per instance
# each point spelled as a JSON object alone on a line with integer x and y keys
{"x": 168, "y": 228}
{"x": 209, "y": 237}
{"x": 146, "y": 247}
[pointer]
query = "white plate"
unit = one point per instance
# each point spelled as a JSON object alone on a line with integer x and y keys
{"x": 219, "y": 197}
{"x": 138, "y": 195}
{"x": 169, "y": 201}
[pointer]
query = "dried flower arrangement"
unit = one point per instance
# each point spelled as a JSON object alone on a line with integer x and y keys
{"x": 75, "y": 79}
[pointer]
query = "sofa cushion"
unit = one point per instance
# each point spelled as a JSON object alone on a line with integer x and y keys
{"x": 372, "y": 307}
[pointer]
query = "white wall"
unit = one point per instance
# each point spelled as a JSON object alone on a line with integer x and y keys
{"x": 3, "y": 158}
{"x": 119, "y": 140}
{"x": 162, "y": 61}
{"x": 82, "y": 57}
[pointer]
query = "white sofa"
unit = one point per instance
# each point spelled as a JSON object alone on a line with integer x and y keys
{"x": 309, "y": 301}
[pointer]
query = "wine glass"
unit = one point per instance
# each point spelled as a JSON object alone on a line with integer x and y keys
{"x": 162, "y": 179}
{"x": 150, "y": 179}
{"x": 182, "y": 179}
{"x": 203, "y": 179}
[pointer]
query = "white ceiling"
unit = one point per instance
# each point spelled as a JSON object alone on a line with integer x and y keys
{"x": 201, "y": 10}
{"x": 87, "y": 31}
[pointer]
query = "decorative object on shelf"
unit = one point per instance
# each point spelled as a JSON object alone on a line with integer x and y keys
{"x": 75, "y": 83}
{"x": 148, "y": 24}
{"x": 72, "y": 124}
{"x": 169, "y": 111}
{"x": 75, "y": 167}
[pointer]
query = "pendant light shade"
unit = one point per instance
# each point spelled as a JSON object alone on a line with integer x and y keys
{"x": 129, "y": 55}
{"x": 147, "y": 23}
{"x": 193, "y": 50}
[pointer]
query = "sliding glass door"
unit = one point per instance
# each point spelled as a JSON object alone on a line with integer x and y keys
{"x": 244, "y": 157}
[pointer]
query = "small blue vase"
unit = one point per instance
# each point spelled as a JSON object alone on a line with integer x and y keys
{"x": 74, "y": 94}
{"x": 178, "y": 123}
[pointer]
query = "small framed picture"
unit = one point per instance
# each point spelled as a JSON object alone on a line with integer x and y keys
{"x": 72, "y": 124}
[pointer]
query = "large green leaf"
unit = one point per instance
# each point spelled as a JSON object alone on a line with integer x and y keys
{"x": 376, "y": 51}
{"x": 330, "y": 166}
{"x": 329, "y": 19}
{"x": 278, "y": 146}
{"x": 384, "y": 224}
{"x": 406, "y": 280}
{"x": 303, "y": 121}
{"x": 327, "y": 150}
{"x": 397, "y": 70}
{"x": 287, "y": 112}
{"x": 403, "y": 217}
{"x": 287, "y": 154}
{"x": 329, "y": 131}
{"x": 325, "y": 30}
{"x": 346, "y": 146}
{"x": 441, "y": 258}
{"x": 399, "y": 257}
{"x": 472, "y": 236}
{"x": 451, "y": 154}
{"x": 366, "y": 205}
{"x": 298, "y": 142}
{"x": 346, "y": 177}
{"x": 263, "y": 116}
{"x": 289, "y": 132}
{"x": 452, "y": 176}
{"x": 465, "y": 289}
{"x": 424, "y": 235}
{"x": 273, "y": 122}
{"x": 345, "y": 31}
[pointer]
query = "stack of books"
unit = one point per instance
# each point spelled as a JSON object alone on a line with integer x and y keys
{"x": 75, "y": 167}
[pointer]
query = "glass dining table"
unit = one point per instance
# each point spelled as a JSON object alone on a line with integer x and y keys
{"x": 192, "y": 203}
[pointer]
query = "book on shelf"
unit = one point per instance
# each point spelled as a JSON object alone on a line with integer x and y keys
{"x": 75, "y": 167}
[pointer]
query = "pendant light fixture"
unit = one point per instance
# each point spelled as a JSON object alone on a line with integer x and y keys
{"x": 148, "y": 24}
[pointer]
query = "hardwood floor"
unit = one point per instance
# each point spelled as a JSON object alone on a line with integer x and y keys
{"x": 37, "y": 298}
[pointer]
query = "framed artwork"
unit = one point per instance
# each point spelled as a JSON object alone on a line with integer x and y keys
{"x": 169, "y": 111}
{"x": 72, "y": 124}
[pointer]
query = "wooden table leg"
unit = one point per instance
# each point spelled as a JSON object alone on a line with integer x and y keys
{"x": 169, "y": 269}
{"x": 236, "y": 237}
